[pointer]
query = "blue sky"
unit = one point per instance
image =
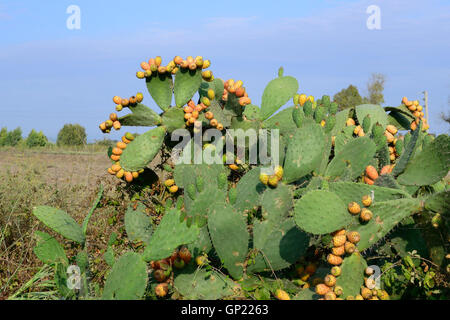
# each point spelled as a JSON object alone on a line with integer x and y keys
{"x": 52, "y": 75}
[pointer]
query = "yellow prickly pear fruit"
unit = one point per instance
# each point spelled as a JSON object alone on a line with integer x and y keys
{"x": 206, "y": 64}
{"x": 273, "y": 181}
{"x": 359, "y": 297}
{"x": 349, "y": 247}
{"x": 116, "y": 167}
{"x": 322, "y": 123}
{"x": 135, "y": 174}
{"x": 279, "y": 172}
{"x": 158, "y": 61}
{"x": 281, "y": 295}
{"x": 389, "y": 137}
{"x": 206, "y": 101}
{"x": 139, "y": 97}
{"x": 330, "y": 296}
{"x": 338, "y": 251}
{"x": 353, "y": 237}
{"x": 173, "y": 189}
{"x": 302, "y": 99}
{"x": 354, "y": 208}
{"x": 120, "y": 173}
{"x": 129, "y": 136}
{"x": 119, "y": 108}
{"x": 233, "y": 167}
{"x": 219, "y": 127}
{"x": 339, "y": 232}
{"x": 117, "y": 125}
{"x": 392, "y": 129}
{"x": 338, "y": 290}
{"x": 211, "y": 94}
{"x": 264, "y": 178}
{"x": 199, "y": 61}
{"x": 169, "y": 182}
{"x": 366, "y": 293}
{"x": 140, "y": 75}
{"x": 310, "y": 98}
{"x": 162, "y": 289}
{"x": 102, "y": 126}
{"x": 366, "y": 200}
{"x": 366, "y": 215}
{"x": 334, "y": 260}
{"x": 339, "y": 240}
{"x": 201, "y": 260}
{"x": 336, "y": 271}
{"x": 357, "y": 129}
{"x": 297, "y": 99}
{"x": 175, "y": 70}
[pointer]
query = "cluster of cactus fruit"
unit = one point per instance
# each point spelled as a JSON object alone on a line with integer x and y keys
{"x": 350, "y": 176}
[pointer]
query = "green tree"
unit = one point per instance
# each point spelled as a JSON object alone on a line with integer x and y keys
{"x": 71, "y": 135}
{"x": 36, "y": 139}
{"x": 348, "y": 98}
{"x": 3, "y": 134}
{"x": 13, "y": 137}
{"x": 375, "y": 88}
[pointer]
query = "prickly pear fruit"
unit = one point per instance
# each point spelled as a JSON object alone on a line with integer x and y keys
{"x": 281, "y": 295}
{"x": 161, "y": 290}
{"x": 184, "y": 254}
{"x": 334, "y": 260}
{"x": 371, "y": 172}
{"x": 366, "y": 215}
{"x": 338, "y": 290}
{"x": 339, "y": 240}
{"x": 338, "y": 251}
{"x": 330, "y": 295}
{"x": 349, "y": 247}
{"x": 173, "y": 189}
{"x": 322, "y": 289}
{"x": 273, "y": 181}
{"x": 330, "y": 280}
{"x": 354, "y": 208}
{"x": 159, "y": 275}
{"x": 336, "y": 271}
{"x": 366, "y": 200}
{"x": 353, "y": 237}
{"x": 169, "y": 182}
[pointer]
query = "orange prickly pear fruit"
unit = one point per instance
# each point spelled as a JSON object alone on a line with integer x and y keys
{"x": 128, "y": 177}
{"x": 178, "y": 60}
{"x": 135, "y": 174}
{"x": 330, "y": 296}
{"x": 311, "y": 268}
{"x": 195, "y": 114}
{"x": 209, "y": 115}
{"x": 366, "y": 200}
{"x": 213, "y": 122}
{"x": 187, "y": 116}
{"x": 338, "y": 290}
{"x": 117, "y": 151}
{"x": 117, "y": 125}
{"x": 404, "y": 100}
{"x": 117, "y": 99}
{"x": 392, "y": 129}
{"x": 188, "y": 109}
{"x": 302, "y": 99}
{"x": 145, "y": 66}
{"x": 389, "y": 137}
{"x": 173, "y": 189}
{"x": 392, "y": 157}
{"x": 339, "y": 232}
{"x": 357, "y": 129}
{"x": 191, "y": 120}
{"x": 111, "y": 171}
{"x": 184, "y": 254}
{"x": 113, "y": 117}
{"x": 273, "y": 181}
{"x": 371, "y": 172}
{"x": 350, "y": 122}
{"x": 120, "y": 173}
{"x": 116, "y": 167}
{"x": 339, "y": 241}
{"x": 338, "y": 251}
{"x": 219, "y": 127}
{"x": 169, "y": 182}
{"x": 367, "y": 180}
{"x": 190, "y": 59}
{"x": 192, "y": 66}
{"x": 124, "y": 102}
{"x": 322, "y": 289}
{"x": 354, "y": 208}
{"x": 125, "y": 140}
{"x": 336, "y": 271}
{"x": 349, "y": 247}
{"x": 233, "y": 167}
{"x": 330, "y": 280}
{"x": 199, "y": 107}
{"x": 240, "y": 92}
{"x": 334, "y": 260}
{"x": 413, "y": 126}
{"x": 162, "y": 289}
{"x": 115, "y": 157}
{"x": 121, "y": 145}
{"x": 162, "y": 69}
{"x": 244, "y": 101}
{"x": 191, "y": 104}
{"x": 366, "y": 215}
{"x": 366, "y": 293}
{"x": 102, "y": 126}
{"x": 133, "y": 100}
{"x": 353, "y": 237}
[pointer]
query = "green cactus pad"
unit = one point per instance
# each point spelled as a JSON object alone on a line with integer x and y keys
{"x": 142, "y": 150}
{"x": 160, "y": 88}
{"x": 202, "y": 244}
{"x": 282, "y": 121}
{"x": 137, "y": 224}
{"x": 298, "y": 116}
{"x": 276, "y": 94}
{"x": 127, "y": 279}
{"x": 322, "y": 167}
{"x": 386, "y": 215}
{"x": 277, "y": 203}
{"x": 170, "y": 234}
{"x": 321, "y": 212}
{"x": 304, "y": 151}
{"x": 219, "y": 115}
{"x": 232, "y": 107}
{"x": 244, "y": 124}
{"x": 198, "y": 284}
{"x": 279, "y": 246}
{"x": 173, "y": 119}
{"x": 307, "y": 294}
{"x": 141, "y": 116}
{"x": 187, "y": 83}
{"x": 351, "y": 191}
{"x": 61, "y": 222}
{"x": 400, "y": 120}
{"x": 388, "y": 181}
{"x": 355, "y": 156}
{"x": 186, "y": 174}
{"x": 430, "y": 165}
{"x": 439, "y": 202}
{"x": 48, "y": 249}
{"x": 352, "y": 275}
{"x": 249, "y": 191}
{"x": 376, "y": 113}
{"x": 216, "y": 85}
{"x": 410, "y": 146}
{"x": 252, "y": 112}
{"x": 407, "y": 239}
{"x": 229, "y": 235}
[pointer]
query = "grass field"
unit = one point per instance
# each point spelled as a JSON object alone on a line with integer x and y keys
{"x": 68, "y": 179}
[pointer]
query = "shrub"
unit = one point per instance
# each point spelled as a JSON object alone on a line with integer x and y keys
{"x": 71, "y": 135}
{"x": 36, "y": 139}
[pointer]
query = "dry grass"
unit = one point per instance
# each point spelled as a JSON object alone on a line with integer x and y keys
{"x": 67, "y": 180}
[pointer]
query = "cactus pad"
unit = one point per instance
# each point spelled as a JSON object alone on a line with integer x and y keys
{"x": 321, "y": 212}
{"x": 249, "y": 191}
{"x": 376, "y": 113}
{"x": 352, "y": 276}
{"x": 137, "y": 224}
{"x": 279, "y": 91}
{"x": 48, "y": 249}
{"x": 160, "y": 88}
{"x": 141, "y": 116}
{"x": 187, "y": 83}
{"x": 277, "y": 203}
